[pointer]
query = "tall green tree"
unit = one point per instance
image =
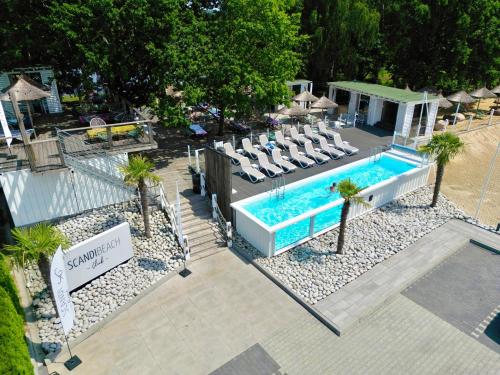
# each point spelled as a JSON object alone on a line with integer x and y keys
{"x": 451, "y": 44}
{"x": 245, "y": 51}
{"x": 349, "y": 191}
{"x": 139, "y": 173}
{"x": 443, "y": 147}
{"x": 343, "y": 35}
{"x": 132, "y": 44}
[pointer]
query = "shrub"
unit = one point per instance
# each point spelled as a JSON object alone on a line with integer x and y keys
{"x": 14, "y": 355}
{"x": 8, "y": 285}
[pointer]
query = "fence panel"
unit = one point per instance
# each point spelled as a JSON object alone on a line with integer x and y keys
{"x": 218, "y": 179}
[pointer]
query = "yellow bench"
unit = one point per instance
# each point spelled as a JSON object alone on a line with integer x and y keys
{"x": 115, "y": 130}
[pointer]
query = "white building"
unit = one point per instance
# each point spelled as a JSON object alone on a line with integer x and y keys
{"x": 409, "y": 115}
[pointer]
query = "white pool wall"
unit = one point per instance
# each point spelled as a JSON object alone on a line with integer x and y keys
{"x": 262, "y": 236}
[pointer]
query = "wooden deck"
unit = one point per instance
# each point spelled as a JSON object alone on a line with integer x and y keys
{"x": 364, "y": 138}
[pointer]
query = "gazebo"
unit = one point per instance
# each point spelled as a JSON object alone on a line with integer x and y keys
{"x": 405, "y": 113}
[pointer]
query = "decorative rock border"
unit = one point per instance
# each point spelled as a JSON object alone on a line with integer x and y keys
{"x": 313, "y": 270}
{"x": 153, "y": 259}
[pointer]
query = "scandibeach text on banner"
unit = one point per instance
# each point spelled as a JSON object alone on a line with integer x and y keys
{"x": 59, "y": 281}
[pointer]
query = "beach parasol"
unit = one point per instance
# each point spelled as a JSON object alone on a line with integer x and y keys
{"x": 482, "y": 93}
{"x": 324, "y": 103}
{"x": 460, "y": 97}
{"x": 443, "y": 102}
{"x": 24, "y": 89}
{"x": 496, "y": 91}
{"x": 294, "y": 110}
{"x": 305, "y": 96}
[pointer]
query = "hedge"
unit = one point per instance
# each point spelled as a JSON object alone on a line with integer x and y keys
{"x": 7, "y": 283}
{"x": 14, "y": 355}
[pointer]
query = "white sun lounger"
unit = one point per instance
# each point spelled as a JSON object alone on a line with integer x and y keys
{"x": 249, "y": 149}
{"x": 271, "y": 169}
{"x": 344, "y": 146}
{"x": 282, "y": 163}
{"x": 317, "y": 156}
{"x": 328, "y": 149}
{"x": 281, "y": 141}
{"x": 265, "y": 144}
{"x": 310, "y": 135}
{"x": 322, "y": 129}
{"x": 253, "y": 174}
{"x": 229, "y": 150}
{"x": 300, "y": 159}
{"x": 296, "y": 137}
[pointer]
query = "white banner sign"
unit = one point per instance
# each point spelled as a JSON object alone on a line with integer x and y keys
{"x": 98, "y": 254}
{"x": 59, "y": 282}
{"x": 5, "y": 126}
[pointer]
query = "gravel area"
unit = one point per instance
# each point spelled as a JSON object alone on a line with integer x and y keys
{"x": 153, "y": 258}
{"x": 313, "y": 270}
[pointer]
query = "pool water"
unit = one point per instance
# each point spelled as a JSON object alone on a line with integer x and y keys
{"x": 315, "y": 193}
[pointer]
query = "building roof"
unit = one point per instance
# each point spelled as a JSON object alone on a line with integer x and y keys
{"x": 385, "y": 92}
{"x": 298, "y": 82}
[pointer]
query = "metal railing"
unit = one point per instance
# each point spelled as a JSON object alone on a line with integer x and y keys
{"x": 225, "y": 226}
{"x": 111, "y": 136}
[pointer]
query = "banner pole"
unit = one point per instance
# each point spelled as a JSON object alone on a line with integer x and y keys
{"x": 73, "y": 360}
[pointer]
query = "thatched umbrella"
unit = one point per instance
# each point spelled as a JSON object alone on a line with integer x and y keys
{"x": 443, "y": 102}
{"x": 324, "y": 103}
{"x": 25, "y": 89}
{"x": 496, "y": 91}
{"x": 460, "y": 97}
{"x": 294, "y": 110}
{"x": 305, "y": 96}
{"x": 482, "y": 93}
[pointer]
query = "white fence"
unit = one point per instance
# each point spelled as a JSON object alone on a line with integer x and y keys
{"x": 34, "y": 197}
{"x": 290, "y": 233}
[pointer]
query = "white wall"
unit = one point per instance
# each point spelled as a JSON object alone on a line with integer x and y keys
{"x": 374, "y": 110}
{"x": 353, "y": 103}
{"x": 34, "y": 197}
{"x": 431, "y": 118}
{"x": 250, "y": 230}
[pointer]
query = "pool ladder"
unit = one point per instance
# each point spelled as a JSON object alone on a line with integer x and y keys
{"x": 376, "y": 153}
{"x": 278, "y": 187}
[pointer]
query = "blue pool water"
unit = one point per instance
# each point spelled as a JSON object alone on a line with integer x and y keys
{"x": 315, "y": 193}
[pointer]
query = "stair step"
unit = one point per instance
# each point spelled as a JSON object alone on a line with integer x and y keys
{"x": 202, "y": 225}
{"x": 191, "y": 216}
{"x": 209, "y": 239}
{"x": 194, "y": 235}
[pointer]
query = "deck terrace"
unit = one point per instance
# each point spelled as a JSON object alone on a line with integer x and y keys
{"x": 364, "y": 138}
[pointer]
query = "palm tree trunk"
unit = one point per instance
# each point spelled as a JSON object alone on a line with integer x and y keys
{"x": 145, "y": 207}
{"x": 44, "y": 267}
{"x": 437, "y": 185}
{"x": 343, "y": 224}
{"x": 221, "y": 121}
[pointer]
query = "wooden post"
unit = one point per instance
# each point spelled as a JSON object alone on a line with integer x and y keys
{"x": 109, "y": 135}
{"x": 24, "y": 134}
{"x": 150, "y": 133}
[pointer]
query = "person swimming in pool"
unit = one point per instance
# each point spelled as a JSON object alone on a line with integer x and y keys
{"x": 333, "y": 187}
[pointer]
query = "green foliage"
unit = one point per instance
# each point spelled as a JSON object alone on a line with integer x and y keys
{"x": 14, "y": 355}
{"x": 443, "y": 147}
{"x": 384, "y": 77}
{"x": 139, "y": 169}
{"x": 450, "y": 44}
{"x": 349, "y": 191}
{"x": 7, "y": 283}
{"x": 34, "y": 243}
{"x": 243, "y": 54}
{"x": 342, "y": 36}
{"x": 171, "y": 112}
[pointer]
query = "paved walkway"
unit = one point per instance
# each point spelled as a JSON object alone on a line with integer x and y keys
{"x": 226, "y": 307}
{"x": 356, "y": 300}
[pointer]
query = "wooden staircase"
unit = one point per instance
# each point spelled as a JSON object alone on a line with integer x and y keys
{"x": 203, "y": 233}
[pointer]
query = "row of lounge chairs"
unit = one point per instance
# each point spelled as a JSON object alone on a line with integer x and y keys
{"x": 281, "y": 164}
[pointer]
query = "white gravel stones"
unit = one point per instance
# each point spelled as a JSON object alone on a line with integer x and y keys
{"x": 153, "y": 258}
{"x": 313, "y": 270}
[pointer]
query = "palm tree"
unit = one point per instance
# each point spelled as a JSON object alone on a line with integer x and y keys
{"x": 443, "y": 147}
{"x": 349, "y": 191}
{"x": 138, "y": 173}
{"x": 35, "y": 245}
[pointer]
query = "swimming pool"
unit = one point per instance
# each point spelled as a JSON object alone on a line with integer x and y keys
{"x": 308, "y": 208}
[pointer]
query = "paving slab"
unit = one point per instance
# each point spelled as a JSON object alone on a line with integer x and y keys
{"x": 359, "y": 298}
